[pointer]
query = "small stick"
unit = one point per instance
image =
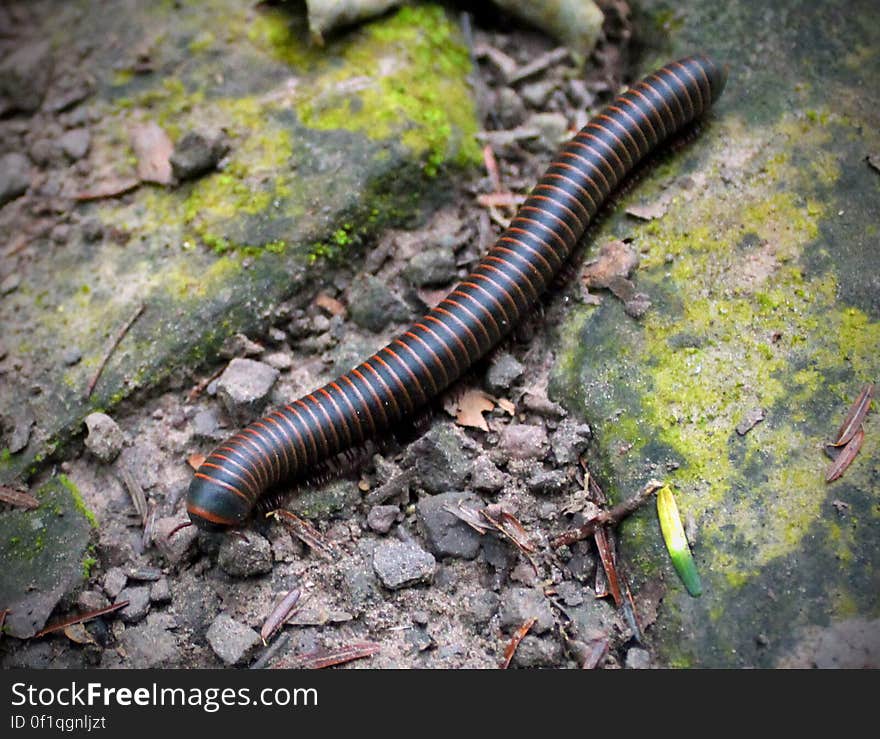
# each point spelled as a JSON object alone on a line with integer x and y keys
{"x": 18, "y": 498}
{"x": 199, "y": 388}
{"x": 270, "y": 652}
{"x": 279, "y": 615}
{"x": 112, "y": 348}
{"x": 612, "y": 516}
{"x": 80, "y": 619}
{"x": 510, "y": 650}
{"x": 321, "y": 658}
{"x": 492, "y": 168}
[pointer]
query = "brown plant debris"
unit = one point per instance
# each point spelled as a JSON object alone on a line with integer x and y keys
{"x": 284, "y": 610}
{"x": 510, "y": 649}
{"x": 120, "y": 335}
{"x": 854, "y": 417}
{"x": 306, "y": 533}
{"x": 321, "y": 658}
{"x": 82, "y": 618}
{"x": 18, "y": 498}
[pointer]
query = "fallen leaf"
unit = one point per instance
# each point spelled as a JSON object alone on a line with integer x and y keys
{"x": 616, "y": 259}
{"x": 153, "y": 149}
{"x": 61, "y": 625}
{"x": 108, "y": 189}
{"x": 306, "y": 533}
{"x": 196, "y": 460}
{"x": 275, "y": 620}
{"x": 471, "y": 407}
{"x": 648, "y": 212}
{"x": 322, "y": 658}
{"x": 856, "y": 414}
{"x": 506, "y": 405}
{"x": 330, "y": 305}
{"x": 846, "y": 456}
{"x": 78, "y": 635}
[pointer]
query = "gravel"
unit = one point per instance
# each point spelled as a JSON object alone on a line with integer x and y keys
{"x": 244, "y": 388}
{"x": 24, "y": 76}
{"x": 105, "y": 438}
{"x": 519, "y": 605}
{"x": 637, "y": 659}
{"x": 438, "y": 459}
{"x": 485, "y": 475}
{"x": 197, "y": 153}
{"x": 245, "y": 557}
{"x": 447, "y": 535}
{"x": 535, "y": 651}
{"x": 232, "y": 642}
{"x": 431, "y": 267}
{"x": 521, "y": 441}
{"x": 373, "y": 305}
{"x": 381, "y": 518}
{"x": 15, "y": 176}
{"x": 402, "y": 565}
{"x": 76, "y": 143}
{"x": 138, "y": 597}
{"x": 503, "y": 372}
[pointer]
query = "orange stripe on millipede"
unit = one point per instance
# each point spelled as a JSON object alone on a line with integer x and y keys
{"x": 275, "y": 444}
{"x": 434, "y": 354}
{"x": 464, "y": 309}
{"x": 240, "y": 493}
{"x": 504, "y": 293}
{"x": 559, "y": 191}
{"x": 285, "y": 444}
{"x": 635, "y": 147}
{"x": 545, "y": 212}
{"x": 388, "y": 391}
{"x": 427, "y": 370}
{"x": 522, "y": 275}
{"x": 449, "y": 353}
{"x": 472, "y": 299}
{"x": 313, "y": 440}
{"x": 658, "y": 116}
{"x": 606, "y": 145}
{"x": 328, "y": 449}
{"x": 209, "y": 516}
{"x": 672, "y": 95}
{"x": 623, "y": 114}
{"x": 262, "y": 451}
{"x": 357, "y": 373}
{"x": 363, "y": 400}
{"x": 253, "y": 457}
{"x": 581, "y": 173}
{"x": 452, "y": 333}
{"x": 509, "y": 279}
{"x": 644, "y": 115}
{"x": 400, "y": 383}
{"x": 565, "y": 246}
{"x": 593, "y": 167}
{"x": 223, "y": 484}
{"x": 296, "y": 420}
{"x": 349, "y": 439}
{"x": 354, "y": 413}
{"x": 582, "y": 190}
{"x": 531, "y": 250}
{"x": 512, "y": 252}
{"x": 442, "y": 311}
{"x": 294, "y": 436}
{"x": 679, "y": 65}
{"x": 253, "y": 485}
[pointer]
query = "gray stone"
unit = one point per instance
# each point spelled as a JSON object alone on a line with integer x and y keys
{"x": 232, "y": 642}
{"x": 521, "y": 441}
{"x": 438, "y": 459}
{"x": 104, "y": 438}
{"x": 138, "y": 598}
{"x": 637, "y": 659}
{"x": 322, "y": 502}
{"x": 431, "y": 267}
{"x": 547, "y": 482}
{"x": 570, "y": 440}
{"x": 24, "y": 76}
{"x": 244, "y": 388}
{"x": 114, "y": 582}
{"x": 536, "y": 94}
{"x": 10, "y": 283}
{"x": 15, "y": 177}
{"x": 447, "y": 535}
{"x": 175, "y": 548}
{"x": 402, "y": 565}
{"x": 160, "y": 591}
{"x": 279, "y": 360}
{"x": 71, "y": 356}
{"x": 151, "y": 644}
{"x": 91, "y": 600}
{"x": 553, "y": 128}
{"x": 75, "y": 143}
{"x": 361, "y": 586}
{"x": 482, "y": 607}
{"x": 509, "y": 107}
{"x": 143, "y": 460}
{"x": 485, "y": 476}
{"x": 503, "y": 372}
{"x": 536, "y": 651}
{"x": 373, "y": 304}
{"x": 196, "y": 154}
{"x": 381, "y": 518}
{"x": 245, "y": 557}
{"x": 206, "y": 425}
{"x": 519, "y": 605}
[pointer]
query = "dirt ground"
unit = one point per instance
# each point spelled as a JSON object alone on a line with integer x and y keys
{"x": 401, "y": 579}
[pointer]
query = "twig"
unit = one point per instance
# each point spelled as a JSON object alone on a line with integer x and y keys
{"x": 611, "y": 516}
{"x": 80, "y": 619}
{"x": 510, "y": 650}
{"x": 199, "y": 388}
{"x": 18, "y": 498}
{"x": 307, "y": 533}
{"x": 330, "y": 658}
{"x": 136, "y": 492}
{"x": 112, "y": 348}
{"x": 279, "y": 615}
{"x": 270, "y": 652}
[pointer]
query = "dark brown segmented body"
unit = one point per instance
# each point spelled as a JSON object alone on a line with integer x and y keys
{"x": 474, "y": 317}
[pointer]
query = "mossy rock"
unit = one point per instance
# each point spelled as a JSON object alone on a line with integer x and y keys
{"x": 45, "y": 556}
{"x": 328, "y": 146}
{"x": 763, "y": 281}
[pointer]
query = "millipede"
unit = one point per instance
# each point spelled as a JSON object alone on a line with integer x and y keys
{"x": 436, "y": 350}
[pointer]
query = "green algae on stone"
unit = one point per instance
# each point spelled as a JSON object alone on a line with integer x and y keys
{"x": 44, "y": 554}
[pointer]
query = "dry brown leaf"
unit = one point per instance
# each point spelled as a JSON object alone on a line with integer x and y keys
{"x": 78, "y": 635}
{"x": 330, "y": 304}
{"x": 857, "y": 412}
{"x": 471, "y": 407}
{"x": 110, "y": 188}
{"x": 616, "y": 259}
{"x": 846, "y": 456}
{"x": 196, "y": 460}
{"x": 18, "y": 498}
{"x": 153, "y": 149}
{"x": 506, "y": 405}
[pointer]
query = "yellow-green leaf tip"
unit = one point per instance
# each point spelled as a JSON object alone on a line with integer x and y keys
{"x": 676, "y": 542}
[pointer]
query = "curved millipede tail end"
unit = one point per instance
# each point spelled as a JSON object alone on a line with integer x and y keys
{"x": 715, "y": 72}
{"x": 213, "y": 507}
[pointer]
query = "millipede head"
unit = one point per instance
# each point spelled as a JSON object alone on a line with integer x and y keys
{"x": 213, "y": 507}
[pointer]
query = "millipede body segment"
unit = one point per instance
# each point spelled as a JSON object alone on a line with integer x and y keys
{"x": 476, "y": 314}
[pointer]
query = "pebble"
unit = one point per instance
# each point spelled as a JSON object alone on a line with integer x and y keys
{"x": 92, "y": 230}
{"x": 175, "y": 548}
{"x": 637, "y": 659}
{"x": 438, "y": 459}
{"x": 485, "y": 476}
{"x": 381, "y": 518}
{"x": 509, "y": 107}
{"x": 231, "y": 641}
{"x": 519, "y": 605}
{"x": 536, "y": 94}
{"x": 151, "y": 644}
{"x": 105, "y": 438}
{"x": 482, "y": 607}
{"x": 138, "y": 598}
{"x": 552, "y": 127}
{"x": 114, "y": 582}
{"x": 91, "y": 600}
{"x": 24, "y": 76}
{"x": 196, "y": 154}
{"x": 206, "y": 425}
{"x": 431, "y": 267}
{"x": 521, "y": 441}
{"x": 10, "y": 283}
{"x": 71, "y": 356}
{"x": 143, "y": 460}
{"x": 279, "y": 360}
{"x": 160, "y": 591}
{"x": 245, "y": 558}
{"x": 547, "y": 482}
{"x": 503, "y": 372}
{"x": 535, "y": 651}
{"x": 402, "y": 565}
{"x": 361, "y": 587}
{"x": 75, "y": 143}
{"x": 144, "y": 573}
{"x": 15, "y": 176}
{"x": 239, "y": 345}
{"x": 447, "y": 535}
{"x": 570, "y": 440}
{"x": 244, "y": 388}
{"x": 373, "y": 305}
